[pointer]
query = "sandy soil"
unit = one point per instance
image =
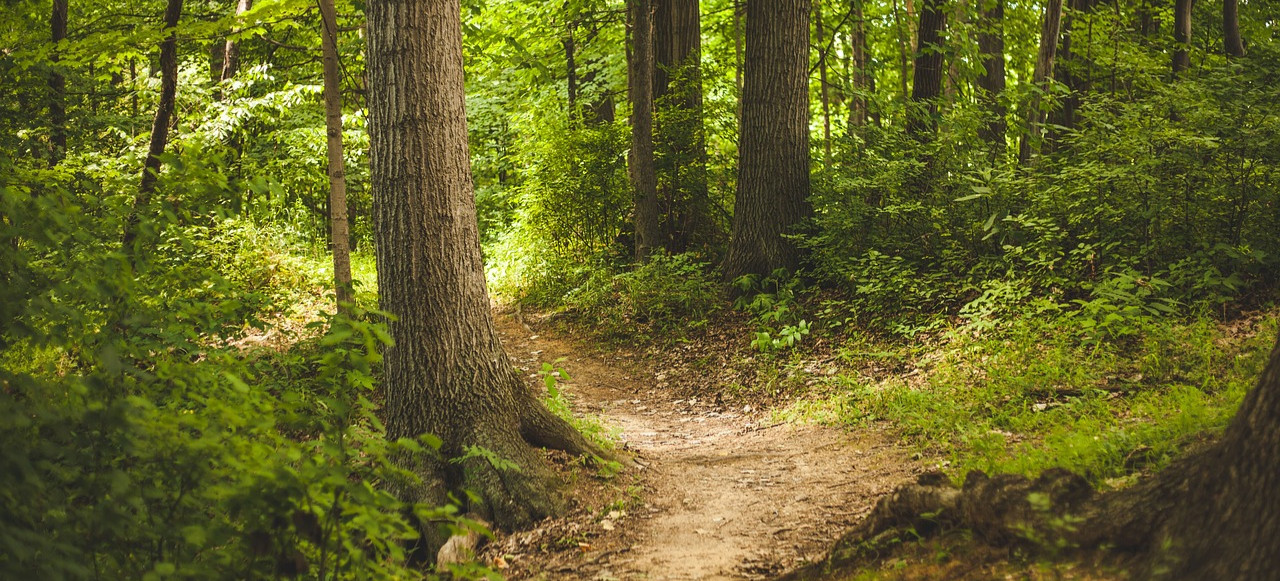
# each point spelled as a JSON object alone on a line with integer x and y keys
{"x": 724, "y": 494}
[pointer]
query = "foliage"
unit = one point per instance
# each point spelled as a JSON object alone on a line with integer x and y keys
{"x": 772, "y": 302}
{"x": 664, "y": 297}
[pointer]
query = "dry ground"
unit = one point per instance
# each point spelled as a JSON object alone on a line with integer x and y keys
{"x": 717, "y": 493}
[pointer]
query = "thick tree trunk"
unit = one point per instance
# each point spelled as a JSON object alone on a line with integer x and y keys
{"x": 1043, "y": 75}
{"x": 447, "y": 373}
{"x": 991, "y": 83}
{"x": 644, "y": 180}
{"x": 1212, "y": 516}
{"x": 338, "y": 227}
{"x": 231, "y": 50}
{"x": 773, "y": 158}
{"x": 1181, "y": 36}
{"x": 1231, "y": 42}
{"x": 159, "y": 125}
{"x": 57, "y": 86}
{"x": 922, "y": 117}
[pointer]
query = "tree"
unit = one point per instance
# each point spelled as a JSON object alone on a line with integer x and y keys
{"x": 1041, "y": 78}
{"x": 447, "y": 373}
{"x": 1181, "y": 36}
{"x": 1232, "y": 44}
{"x": 680, "y": 144}
{"x": 773, "y": 158}
{"x": 991, "y": 82}
{"x": 57, "y": 86}
{"x": 640, "y": 164}
{"x": 159, "y": 126}
{"x": 927, "y": 83}
{"x": 231, "y": 50}
{"x": 338, "y": 227}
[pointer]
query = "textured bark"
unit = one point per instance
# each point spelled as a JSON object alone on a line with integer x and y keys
{"x": 926, "y": 87}
{"x": 773, "y": 151}
{"x": 862, "y": 79}
{"x": 57, "y": 86}
{"x": 1043, "y": 75}
{"x": 1181, "y": 36}
{"x": 447, "y": 373}
{"x": 339, "y": 235}
{"x": 1212, "y": 515}
{"x": 1231, "y": 41}
{"x": 644, "y": 181}
{"x": 231, "y": 50}
{"x": 991, "y": 83}
{"x": 159, "y": 125}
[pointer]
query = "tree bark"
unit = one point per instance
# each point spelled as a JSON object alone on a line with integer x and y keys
{"x": 644, "y": 181}
{"x": 1181, "y": 36}
{"x": 680, "y": 140}
{"x": 991, "y": 83}
{"x": 447, "y": 373}
{"x": 773, "y": 159}
{"x": 231, "y": 50}
{"x": 1043, "y": 75}
{"x": 338, "y": 228}
{"x": 57, "y": 86}
{"x": 858, "y": 110}
{"x": 159, "y": 125}
{"x": 922, "y": 117}
{"x": 1232, "y": 44}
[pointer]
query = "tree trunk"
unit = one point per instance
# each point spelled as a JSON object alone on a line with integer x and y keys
{"x": 1212, "y": 515}
{"x": 447, "y": 373}
{"x": 1043, "y": 75}
{"x": 773, "y": 159}
{"x": 159, "y": 125}
{"x": 1232, "y": 44}
{"x": 679, "y": 134}
{"x": 231, "y": 51}
{"x": 922, "y": 117}
{"x": 822, "y": 84}
{"x": 644, "y": 181}
{"x": 903, "y": 50}
{"x": 991, "y": 83}
{"x": 1181, "y": 36}
{"x": 57, "y": 86}
{"x": 338, "y": 228}
{"x": 858, "y": 110}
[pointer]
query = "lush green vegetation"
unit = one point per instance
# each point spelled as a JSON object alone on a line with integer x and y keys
{"x": 190, "y": 404}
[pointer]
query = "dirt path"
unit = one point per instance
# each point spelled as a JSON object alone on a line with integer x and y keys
{"x": 727, "y": 496}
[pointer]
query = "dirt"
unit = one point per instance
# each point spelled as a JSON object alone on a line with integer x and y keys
{"x": 716, "y": 493}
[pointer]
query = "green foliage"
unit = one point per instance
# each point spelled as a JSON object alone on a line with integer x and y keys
{"x": 664, "y": 297}
{"x": 772, "y": 302}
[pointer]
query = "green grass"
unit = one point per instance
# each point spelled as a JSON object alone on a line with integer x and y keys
{"x": 1034, "y": 396}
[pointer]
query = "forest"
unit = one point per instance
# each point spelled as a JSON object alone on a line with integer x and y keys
{"x": 639, "y": 289}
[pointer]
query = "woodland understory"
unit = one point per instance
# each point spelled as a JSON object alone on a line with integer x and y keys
{"x": 639, "y": 289}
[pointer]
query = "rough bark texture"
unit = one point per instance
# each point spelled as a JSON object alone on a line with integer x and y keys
{"x": 991, "y": 83}
{"x": 447, "y": 374}
{"x": 927, "y": 83}
{"x": 231, "y": 50}
{"x": 1049, "y": 30}
{"x": 1210, "y": 516}
{"x": 773, "y": 151}
{"x": 159, "y": 125}
{"x": 862, "y": 84}
{"x": 640, "y": 164}
{"x": 339, "y": 235}
{"x": 1232, "y": 44}
{"x": 57, "y": 86}
{"x": 1181, "y": 36}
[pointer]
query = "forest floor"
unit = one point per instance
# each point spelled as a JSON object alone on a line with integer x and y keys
{"x": 717, "y": 493}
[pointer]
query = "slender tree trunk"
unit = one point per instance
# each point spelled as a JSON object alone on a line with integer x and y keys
{"x": 159, "y": 125}
{"x": 1232, "y": 44}
{"x": 1181, "y": 36}
{"x": 231, "y": 50}
{"x": 1043, "y": 75}
{"x": 822, "y": 84}
{"x": 644, "y": 181}
{"x": 927, "y": 84}
{"x": 903, "y": 71}
{"x": 338, "y": 227}
{"x": 773, "y": 160}
{"x": 447, "y": 373}
{"x": 861, "y": 86}
{"x": 57, "y": 86}
{"x": 991, "y": 83}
